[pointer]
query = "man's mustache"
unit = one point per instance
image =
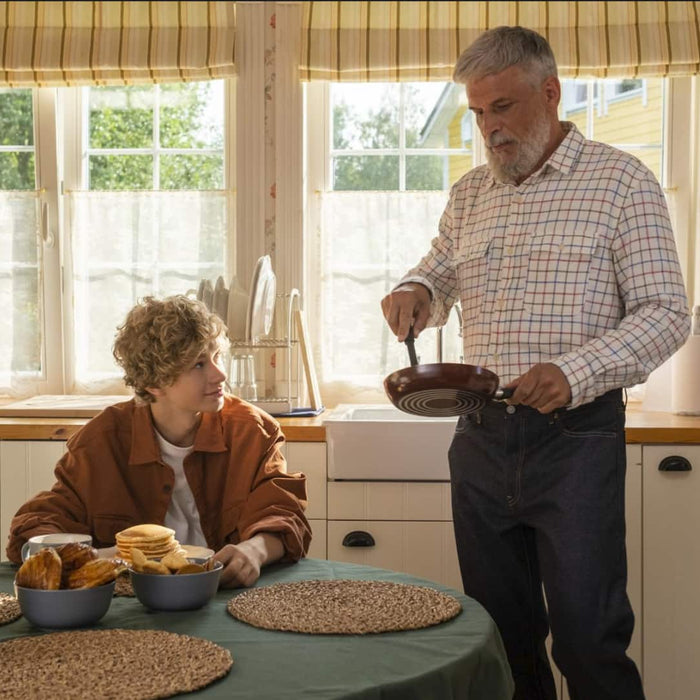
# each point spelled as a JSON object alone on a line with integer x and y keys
{"x": 498, "y": 140}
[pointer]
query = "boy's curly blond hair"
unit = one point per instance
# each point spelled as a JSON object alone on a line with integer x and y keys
{"x": 161, "y": 338}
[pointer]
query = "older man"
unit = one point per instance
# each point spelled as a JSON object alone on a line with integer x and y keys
{"x": 561, "y": 253}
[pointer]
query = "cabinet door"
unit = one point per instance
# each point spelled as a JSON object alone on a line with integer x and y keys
{"x": 25, "y": 469}
{"x": 633, "y": 516}
{"x": 310, "y": 458}
{"x": 424, "y": 549}
{"x": 671, "y": 570}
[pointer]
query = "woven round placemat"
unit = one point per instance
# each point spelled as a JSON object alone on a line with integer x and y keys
{"x": 9, "y": 609}
{"x": 343, "y": 606}
{"x": 109, "y": 664}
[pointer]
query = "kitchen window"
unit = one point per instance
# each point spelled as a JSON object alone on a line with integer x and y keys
{"x": 135, "y": 182}
{"x": 378, "y": 184}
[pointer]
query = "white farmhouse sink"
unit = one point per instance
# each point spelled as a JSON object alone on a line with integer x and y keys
{"x": 379, "y": 442}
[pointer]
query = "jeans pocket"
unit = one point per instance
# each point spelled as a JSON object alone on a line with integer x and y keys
{"x": 599, "y": 420}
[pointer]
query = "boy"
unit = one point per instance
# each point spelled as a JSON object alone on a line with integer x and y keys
{"x": 180, "y": 453}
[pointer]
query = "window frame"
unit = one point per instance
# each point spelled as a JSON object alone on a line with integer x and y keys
{"x": 680, "y": 176}
{"x": 60, "y": 137}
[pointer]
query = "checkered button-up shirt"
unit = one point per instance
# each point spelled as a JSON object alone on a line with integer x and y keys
{"x": 576, "y": 266}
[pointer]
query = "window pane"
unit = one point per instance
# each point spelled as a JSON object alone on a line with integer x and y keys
{"x": 574, "y": 103}
{"x": 17, "y": 139}
{"x": 121, "y": 172}
{"x": 20, "y": 286}
{"x": 365, "y": 115}
{"x": 17, "y": 170}
{"x": 192, "y": 115}
{"x": 366, "y": 173}
{"x": 429, "y": 110}
{"x": 428, "y": 172}
{"x": 121, "y": 117}
{"x": 16, "y": 117}
{"x": 196, "y": 172}
{"x": 631, "y": 118}
{"x": 157, "y": 243}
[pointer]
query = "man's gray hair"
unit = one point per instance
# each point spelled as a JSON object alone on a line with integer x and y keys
{"x": 503, "y": 47}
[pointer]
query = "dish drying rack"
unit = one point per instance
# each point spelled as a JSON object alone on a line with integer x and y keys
{"x": 278, "y": 358}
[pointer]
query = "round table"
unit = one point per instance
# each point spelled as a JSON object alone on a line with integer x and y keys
{"x": 462, "y": 659}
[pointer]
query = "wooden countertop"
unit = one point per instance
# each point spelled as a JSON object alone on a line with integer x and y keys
{"x": 642, "y": 427}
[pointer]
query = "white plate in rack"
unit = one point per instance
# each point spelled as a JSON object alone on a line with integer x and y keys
{"x": 261, "y": 307}
{"x": 237, "y": 312}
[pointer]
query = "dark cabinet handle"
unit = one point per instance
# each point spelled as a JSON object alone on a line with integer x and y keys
{"x": 358, "y": 538}
{"x": 675, "y": 463}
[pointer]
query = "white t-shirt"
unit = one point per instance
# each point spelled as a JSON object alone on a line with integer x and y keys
{"x": 182, "y": 515}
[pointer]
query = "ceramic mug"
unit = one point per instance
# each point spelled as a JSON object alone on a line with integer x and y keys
{"x": 53, "y": 539}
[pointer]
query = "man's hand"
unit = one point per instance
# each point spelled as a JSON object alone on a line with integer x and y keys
{"x": 409, "y": 303}
{"x": 543, "y": 387}
{"x": 243, "y": 561}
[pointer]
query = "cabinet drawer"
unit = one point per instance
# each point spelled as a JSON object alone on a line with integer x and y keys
{"x": 423, "y": 549}
{"x": 371, "y": 500}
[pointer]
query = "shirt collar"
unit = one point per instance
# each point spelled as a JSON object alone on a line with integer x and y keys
{"x": 144, "y": 444}
{"x": 563, "y": 159}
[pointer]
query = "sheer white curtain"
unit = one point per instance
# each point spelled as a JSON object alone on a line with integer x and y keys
{"x": 21, "y": 362}
{"x": 128, "y": 245}
{"x": 368, "y": 241}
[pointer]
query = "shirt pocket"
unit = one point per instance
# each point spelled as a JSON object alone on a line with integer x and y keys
{"x": 472, "y": 265}
{"x": 558, "y": 272}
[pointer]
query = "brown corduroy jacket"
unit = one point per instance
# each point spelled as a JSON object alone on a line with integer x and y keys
{"x": 112, "y": 477}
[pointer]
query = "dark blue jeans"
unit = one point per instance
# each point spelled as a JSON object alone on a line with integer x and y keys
{"x": 539, "y": 500}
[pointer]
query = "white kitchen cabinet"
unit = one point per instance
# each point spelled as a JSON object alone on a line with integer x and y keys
{"x": 26, "y": 467}
{"x": 423, "y": 549}
{"x": 404, "y": 526}
{"x": 310, "y": 458}
{"x": 671, "y": 572}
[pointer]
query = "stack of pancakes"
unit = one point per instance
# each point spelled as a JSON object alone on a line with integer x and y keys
{"x": 155, "y": 541}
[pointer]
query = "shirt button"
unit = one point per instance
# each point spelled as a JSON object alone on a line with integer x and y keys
{"x": 495, "y": 357}
{"x": 517, "y": 199}
{"x": 509, "y": 250}
{"x": 167, "y": 488}
{"x": 510, "y": 409}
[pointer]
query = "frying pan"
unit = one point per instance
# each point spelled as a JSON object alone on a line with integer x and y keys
{"x": 441, "y": 389}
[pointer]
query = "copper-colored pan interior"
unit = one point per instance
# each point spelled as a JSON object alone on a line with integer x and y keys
{"x": 441, "y": 389}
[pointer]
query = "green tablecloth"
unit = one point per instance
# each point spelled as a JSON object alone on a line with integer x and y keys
{"x": 462, "y": 659}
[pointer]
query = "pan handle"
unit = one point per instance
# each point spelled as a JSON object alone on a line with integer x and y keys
{"x": 503, "y": 394}
{"x": 411, "y": 345}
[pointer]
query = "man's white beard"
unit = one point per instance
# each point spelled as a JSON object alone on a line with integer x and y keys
{"x": 530, "y": 151}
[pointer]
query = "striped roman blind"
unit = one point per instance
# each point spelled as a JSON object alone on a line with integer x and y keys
{"x": 115, "y": 43}
{"x": 390, "y": 41}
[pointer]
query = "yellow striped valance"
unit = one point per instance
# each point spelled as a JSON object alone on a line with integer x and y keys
{"x": 73, "y": 43}
{"x": 389, "y": 41}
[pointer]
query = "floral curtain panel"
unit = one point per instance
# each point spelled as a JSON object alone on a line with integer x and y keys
{"x": 115, "y": 43}
{"x": 392, "y": 41}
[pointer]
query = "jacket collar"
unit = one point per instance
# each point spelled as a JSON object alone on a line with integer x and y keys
{"x": 144, "y": 444}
